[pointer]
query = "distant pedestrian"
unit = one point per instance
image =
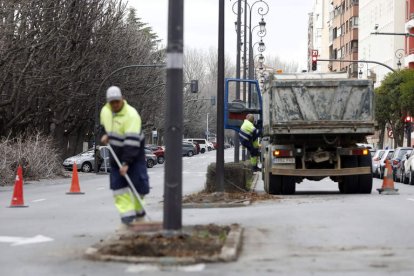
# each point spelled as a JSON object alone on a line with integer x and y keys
{"x": 123, "y": 132}
{"x": 249, "y": 138}
{"x": 99, "y": 159}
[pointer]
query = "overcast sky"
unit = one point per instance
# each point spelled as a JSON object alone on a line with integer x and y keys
{"x": 286, "y": 25}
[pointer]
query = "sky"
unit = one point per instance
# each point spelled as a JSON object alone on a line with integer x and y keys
{"x": 286, "y": 25}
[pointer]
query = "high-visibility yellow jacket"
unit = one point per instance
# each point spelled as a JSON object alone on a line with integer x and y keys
{"x": 248, "y": 132}
{"x": 124, "y": 131}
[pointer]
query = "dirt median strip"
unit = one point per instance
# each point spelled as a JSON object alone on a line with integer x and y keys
{"x": 227, "y": 252}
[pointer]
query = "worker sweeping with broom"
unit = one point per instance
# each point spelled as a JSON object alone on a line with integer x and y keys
{"x": 123, "y": 134}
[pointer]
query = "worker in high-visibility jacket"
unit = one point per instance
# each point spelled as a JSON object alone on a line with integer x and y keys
{"x": 249, "y": 138}
{"x": 122, "y": 125}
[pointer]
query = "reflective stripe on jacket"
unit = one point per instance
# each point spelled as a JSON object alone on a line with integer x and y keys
{"x": 124, "y": 131}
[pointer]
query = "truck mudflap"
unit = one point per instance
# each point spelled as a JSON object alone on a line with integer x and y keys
{"x": 321, "y": 172}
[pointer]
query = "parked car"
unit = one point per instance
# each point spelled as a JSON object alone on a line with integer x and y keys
{"x": 150, "y": 158}
{"x": 85, "y": 161}
{"x": 202, "y": 142}
{"x": 386, "y": 156}
{"x": 158, "y": 151}
{"x": 399, "y": 174}
{"x": 188, "y": 149}
{"x": 210, "y": 146}
{"x": 376, "y": 161}
{"x": 407, "y": 170}
{"x": 396, "y": 159}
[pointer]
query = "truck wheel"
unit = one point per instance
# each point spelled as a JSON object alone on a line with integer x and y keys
{"x": 341, "y": 187}
{"x": 351, "y": 182}
{"x": 289, "y": 185}
{"x": 365, "y": 180}
{"x": 274, "y": 186}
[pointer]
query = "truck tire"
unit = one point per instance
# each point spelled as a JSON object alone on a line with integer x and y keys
{"x": 274, "y": 186}
{"x": 341, "y": 187}
{"x": 365, "y": 180}
{"x": 351, "y": 182}
{"x": 288, "y": 185}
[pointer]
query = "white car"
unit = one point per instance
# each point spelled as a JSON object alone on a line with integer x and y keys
{"x": 376, "y": 162}
{"x": 408, "y": 173}
{"x": 204, "y": 147}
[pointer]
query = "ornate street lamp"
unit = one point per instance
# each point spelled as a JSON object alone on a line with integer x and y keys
{"x": 399, "y": 54}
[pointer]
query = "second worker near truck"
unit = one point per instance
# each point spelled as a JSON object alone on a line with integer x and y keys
{"x": 249, "y": 138}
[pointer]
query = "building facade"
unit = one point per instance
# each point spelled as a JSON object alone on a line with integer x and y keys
{"x": 318, "y": 33}
{"x": 385, "y": 16}
{"x": 343, "y": 35}
{"x": 409, "y": 27}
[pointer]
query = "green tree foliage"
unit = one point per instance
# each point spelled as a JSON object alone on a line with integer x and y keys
{"x": 394, "y": 100}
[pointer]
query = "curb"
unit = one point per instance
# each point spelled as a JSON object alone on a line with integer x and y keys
{"x": 239, "y": 203}
{"x": 229, "y": 252}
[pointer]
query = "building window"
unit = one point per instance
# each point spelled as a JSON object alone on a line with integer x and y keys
{"x": 334, "y": 33}
{"x": 353, "y": 22}
{"x": 346, "y": 26}
{"x": 339, "y": 32}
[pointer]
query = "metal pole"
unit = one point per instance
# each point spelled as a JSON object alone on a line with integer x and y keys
{"x": 409, "y": 128}
{"x": 207, "y": 127}
{"x": 220, "y": 102}
{"x": 174, "y": 118}
{"x": 236, "y": 134}
{"x": 244, "y": 62}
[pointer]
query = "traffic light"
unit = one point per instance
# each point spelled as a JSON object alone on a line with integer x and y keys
{"x": 408, "y": 119}
{"x": 314, "y": 63}
{"x": 314, "y": 60}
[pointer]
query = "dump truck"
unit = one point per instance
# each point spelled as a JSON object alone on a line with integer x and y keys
{"x": 311, "y": 126}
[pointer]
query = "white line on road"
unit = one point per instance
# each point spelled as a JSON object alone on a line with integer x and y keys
{"x": 39, "y": 200}
{"x": 152, "y": 268}
{"x": 100, "y": 188}
{"x": 410, "y": 199}
{"x": 15, "y": 241}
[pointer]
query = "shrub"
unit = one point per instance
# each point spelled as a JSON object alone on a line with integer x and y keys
{"x": 34, "y": 151}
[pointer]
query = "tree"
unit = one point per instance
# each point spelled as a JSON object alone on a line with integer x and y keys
{"x": 394, "y": 100}
{"x": 55, "y": 53}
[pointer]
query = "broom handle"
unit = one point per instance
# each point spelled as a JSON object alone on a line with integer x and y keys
{"x": 131, "y": 185}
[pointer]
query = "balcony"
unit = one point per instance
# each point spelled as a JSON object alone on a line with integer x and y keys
{"x": 410, "y": 24}
{"x": 409, "y": 59}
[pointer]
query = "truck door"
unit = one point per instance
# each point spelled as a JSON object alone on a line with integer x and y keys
{"x": 235, "y": 111}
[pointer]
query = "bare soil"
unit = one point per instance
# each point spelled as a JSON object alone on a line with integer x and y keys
{"x": 193, "y": 241}
{"x": 205, "y": 197}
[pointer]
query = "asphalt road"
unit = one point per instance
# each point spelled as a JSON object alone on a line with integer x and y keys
{"x": 315, "y": 232}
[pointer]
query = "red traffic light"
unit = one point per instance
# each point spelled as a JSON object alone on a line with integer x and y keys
{"x": 314, "y": 58}
{"x": 408, "y": 119}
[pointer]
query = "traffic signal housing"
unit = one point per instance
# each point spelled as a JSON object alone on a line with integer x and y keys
{"x": 314, "y": 63}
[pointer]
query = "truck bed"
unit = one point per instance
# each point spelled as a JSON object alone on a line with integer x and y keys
{"x": 318, "y": 106}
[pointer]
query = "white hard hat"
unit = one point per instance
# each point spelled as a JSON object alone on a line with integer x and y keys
{"x": 113, "y": 94}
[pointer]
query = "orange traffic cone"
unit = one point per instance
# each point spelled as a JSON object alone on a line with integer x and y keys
{"x": 75, "y": 188}
{"x": 17, "y": 199}
{"x": 388, "y": 181}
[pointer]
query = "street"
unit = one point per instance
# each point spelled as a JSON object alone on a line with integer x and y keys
{"x": 317, "y": 231}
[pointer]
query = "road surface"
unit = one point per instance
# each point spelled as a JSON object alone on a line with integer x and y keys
{"x": 315, "y": 232}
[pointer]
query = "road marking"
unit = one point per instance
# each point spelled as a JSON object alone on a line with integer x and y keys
{"x": 16, "y": 241}
{"x": 410, "y": 199}
{"x": 39, "y": 200}
{"x": 100, "y": 188}
{"x": 147, "y": 268}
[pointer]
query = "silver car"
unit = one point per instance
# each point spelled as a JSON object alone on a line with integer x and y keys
{"x": 85, "y": 161}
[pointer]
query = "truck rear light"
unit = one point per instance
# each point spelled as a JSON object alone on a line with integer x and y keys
{"x": 360, "y": 152}
{"x": 282, "y": 153}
